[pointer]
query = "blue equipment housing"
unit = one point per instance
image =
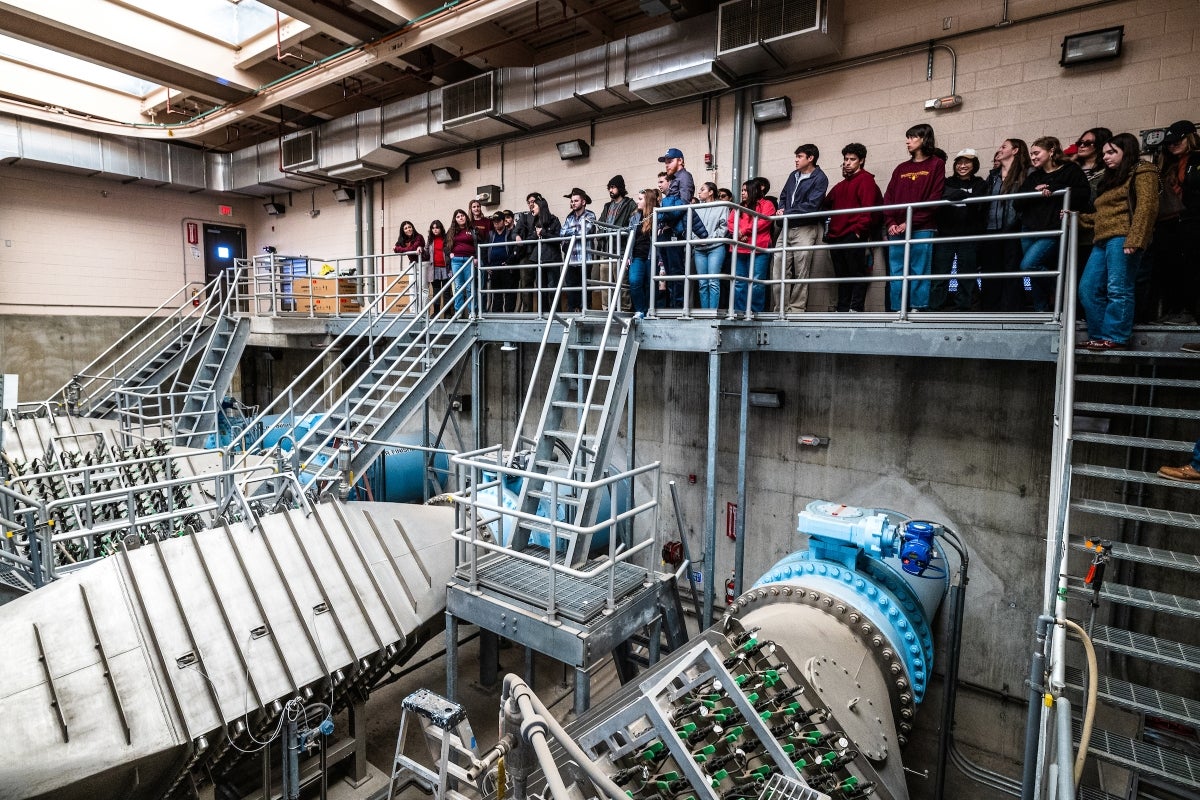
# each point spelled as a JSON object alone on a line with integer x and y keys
{"x": 881, "y": 562}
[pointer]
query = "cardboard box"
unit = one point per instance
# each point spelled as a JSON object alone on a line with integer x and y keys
{"x": 327, "y": 295}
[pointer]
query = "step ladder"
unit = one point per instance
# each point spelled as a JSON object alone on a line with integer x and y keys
{"x": 578, "y": 425}
{"x": 1135, "y": 412}
{"x": 450, "y": 741}
{"x": 665, "y": 633}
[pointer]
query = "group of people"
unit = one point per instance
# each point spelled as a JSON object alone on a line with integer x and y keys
{"x": 1131, "y": 213}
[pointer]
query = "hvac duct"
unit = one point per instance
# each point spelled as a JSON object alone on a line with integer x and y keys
{"x": 81, "y": 152}
{"x": 414, "y": 125}
{"x": 754, "y": 35}
{"x": 661, "y": 70}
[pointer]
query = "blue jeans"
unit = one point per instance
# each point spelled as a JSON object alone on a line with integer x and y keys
{"x": 462, "y": 277}
{"x": 1039, "y": 254}
{"x": 1106, "y": 290}
{"x": 710, "y": 263}
{"x": 762, "y": 272}
{"x": 639, "y": 284}
{"x": 1196, "y": 456}
{"x": 919, "y": 258}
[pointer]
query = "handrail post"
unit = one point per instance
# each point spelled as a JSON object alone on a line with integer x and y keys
{"x": 904, "y": 285}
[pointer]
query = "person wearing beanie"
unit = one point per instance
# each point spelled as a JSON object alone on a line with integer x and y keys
{"x": 617, "y": 212}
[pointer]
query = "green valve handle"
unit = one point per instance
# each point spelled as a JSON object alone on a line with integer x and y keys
{"x": 734, "y": 733}
{"x": 719, "y": 776}
{"x": 800, "y": 764}
{"x": 829, "y": 758}
{"x": 750, "y": 645}
{"x": 761, "y": 772}
{"x": 789, "y": 748}
{"x": 849, "y": 784}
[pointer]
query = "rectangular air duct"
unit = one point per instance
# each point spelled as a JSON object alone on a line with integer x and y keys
{"x": 469, "y": 100}
{"x": 755, "y": 35}
{"x": 678, "y": 83}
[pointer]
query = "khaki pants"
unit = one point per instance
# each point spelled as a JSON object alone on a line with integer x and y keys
{"x": 796, "y": 265}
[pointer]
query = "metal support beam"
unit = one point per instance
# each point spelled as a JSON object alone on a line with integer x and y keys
{"x": 710, "y": 487}
{"x": 739, "y": 550}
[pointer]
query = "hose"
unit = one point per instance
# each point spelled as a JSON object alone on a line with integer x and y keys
{"x": 515, "y": 687}
{"x": 1089, "y": 713}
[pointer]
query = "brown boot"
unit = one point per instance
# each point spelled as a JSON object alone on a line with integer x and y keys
{"x": 1185, "y": 473}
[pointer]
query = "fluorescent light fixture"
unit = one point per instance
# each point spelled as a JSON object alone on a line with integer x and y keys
{"x": 766, "y": 398}
{"x": 772, "y": 109}
{"x": 576, "y": 148}
{"x": 275, "y": 209}
{"x": 445, "y": 174}
{"x": 343, "y": 195}
{"x": 508, "y": 347}
{"x": 1084, "y": 48}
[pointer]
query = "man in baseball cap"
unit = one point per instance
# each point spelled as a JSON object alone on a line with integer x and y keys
{"x": 681, "y": 190}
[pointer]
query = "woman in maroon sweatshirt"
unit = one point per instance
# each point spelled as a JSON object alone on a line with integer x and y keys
{"x": 917, "y": 180}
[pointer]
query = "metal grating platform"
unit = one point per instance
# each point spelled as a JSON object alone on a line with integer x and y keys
{"x": 1140, "y": 598}
{"x": 576, "y": 599}
{"x": 1141, "y": 699}
{"x": 1147, "y": 759}
{"x": 1161, "y": 516}
{"x": 1148, "y": 648}
{"x": 1130, "y": 475}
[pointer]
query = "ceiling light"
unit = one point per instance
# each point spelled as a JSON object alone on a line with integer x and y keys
{"x": 1084, "y": 48}
{"x": 576, "y": 148}
{"x": 445, "y": 174}
{"x": 771, "y": 110}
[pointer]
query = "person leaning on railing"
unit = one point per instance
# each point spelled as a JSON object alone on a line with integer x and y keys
{"x": 917, "y": 180}
{"x": 751, "y": 229}
{"x": 1004, "y": 255}
{"x": 709, "y": 259}
{"x": 642, "y": 225}
{"x": 1051, "y": 173}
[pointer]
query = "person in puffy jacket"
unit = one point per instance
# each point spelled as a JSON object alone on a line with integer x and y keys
{"x": 960, "y": 219}
{"x": 1126, "y": 207}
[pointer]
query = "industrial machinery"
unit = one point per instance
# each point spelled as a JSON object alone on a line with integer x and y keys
{"x": 806, "y": 689}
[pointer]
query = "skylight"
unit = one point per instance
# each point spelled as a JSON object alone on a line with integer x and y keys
{"x": 76, "y": 68}
{"x": 231, "y": 21}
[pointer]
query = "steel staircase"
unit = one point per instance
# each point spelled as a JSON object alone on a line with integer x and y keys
{"x": 389, "y": 365}
{"x": 224, "y": 344}
{"x": 1135, "y": 411}
{"x": 152, "y": 354}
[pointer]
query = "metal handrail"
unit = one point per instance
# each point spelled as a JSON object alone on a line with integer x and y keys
{"x": 111, "y": 365}
{"x": 362, "y": 330}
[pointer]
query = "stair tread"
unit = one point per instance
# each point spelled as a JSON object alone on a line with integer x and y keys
{"x": 1147, "y": 411}
{"x": 1136, "y": 476}
{"x": 1141, "y": 699}
{"x": 1147, "y": 648}
{"x": 1140, "y": 597}
{"x": 1134, "y": 441}
{"x": 577, "y": 375}
{"x": 1136, "y": 354}
{"x": 1134, "y": 380}
{"x": 1153, "y": 556}
{"x": 1142, "y": 513}
{"x": 1143, "y": 757}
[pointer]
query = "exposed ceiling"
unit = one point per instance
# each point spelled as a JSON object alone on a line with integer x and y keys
{"x": 283, "y": 65}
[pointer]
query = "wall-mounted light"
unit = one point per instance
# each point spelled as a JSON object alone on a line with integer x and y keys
{"x": 1084, "y": 48}
{"x": 343, "y": 195}
{"x": 275, "y": 209}
{"x": 771, "y": 110}
{"x": 445, "y": 174}
{"x": 576, "y": 148}
{"x": 941, "y": 103}
{"x": 508, "y": 347}
{"x": 766, "y": 398}
{"x": 488, "y": 195}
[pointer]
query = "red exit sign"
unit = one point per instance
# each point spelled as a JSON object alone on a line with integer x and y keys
{"x": 225, "y": 211}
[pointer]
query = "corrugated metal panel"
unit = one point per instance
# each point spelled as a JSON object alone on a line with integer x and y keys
{"x": 187, "y": 167}
{"x": 218, "y": 171}
{"x": 62, "y": 147}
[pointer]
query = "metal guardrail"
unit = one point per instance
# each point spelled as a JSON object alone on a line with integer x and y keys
{"x": 480, "y": 504}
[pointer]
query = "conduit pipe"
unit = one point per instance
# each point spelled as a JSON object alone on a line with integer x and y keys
{"x": 1089, "y": 712}
{"x": 532, "y": 706}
